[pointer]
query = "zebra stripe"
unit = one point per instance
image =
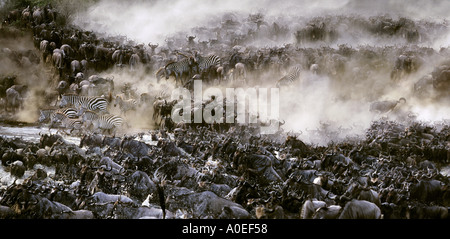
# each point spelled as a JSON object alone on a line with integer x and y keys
{"x": 178, "y": 68}
{"x": 204, "y": 63}
{"x": 125, "y": 105}
{"x": 66, "y": 122}
{"x": 89, "y": 115}
{"x": 94, "y": 103}
{"x": 47, "y": 114}
{"x": 44, "y": 115}
{"x": 293, "y": 75}
{"x": 102, "y": 122}
{"x": 109, "y": 121}
{"x": 69, "y": 112}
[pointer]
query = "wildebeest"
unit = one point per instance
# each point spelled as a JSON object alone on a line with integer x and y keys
{"x": 354, "y": 209}
{"x": 13, "y": 100}
{"x": 134, "y": 62}
{"x": 427, "y": 191}
{"x": 386, "y": 106}
{"x": 58, "y": 58}
{"x": 310, "y": 207}
{"x": 141, "y": 185}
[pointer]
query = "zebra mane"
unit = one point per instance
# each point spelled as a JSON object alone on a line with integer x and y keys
{"x": 60, "y": 113}
{"x": 160, "y": 69}
{"x": 69, "y": 94}
{"x": 90, "y": 112}
{"x": 49, "y": 108}
{"x": 170, "y": 63}
{"x": 185, "y": 55}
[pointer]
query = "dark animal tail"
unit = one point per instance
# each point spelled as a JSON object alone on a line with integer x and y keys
{"x": 158, "y": 77}
{"x": 162, "y": 200}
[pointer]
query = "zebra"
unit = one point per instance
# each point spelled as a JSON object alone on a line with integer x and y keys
{"x": 204, "y": 63}
{"x": 95, "y": 103}
{"x": 207, "y": 66}
{"x": 66, "y": 122}
{"x": 293, "y": 75}
{"x": 47, "y": 114}
{"x": 125, "y": 105}
{"x": 178, "y": 69}
{"x": 106, "y": 122}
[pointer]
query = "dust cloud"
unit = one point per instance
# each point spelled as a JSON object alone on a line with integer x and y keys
{"x": 317, "y": 103}
{"x": 155, "y": 20}
{"x": 19, "y": 60}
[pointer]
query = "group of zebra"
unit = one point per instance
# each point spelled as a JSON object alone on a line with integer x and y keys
{"x": 189, "y": 66}
{"x": 196, "y": 65}
{"x": 82, "y": 113}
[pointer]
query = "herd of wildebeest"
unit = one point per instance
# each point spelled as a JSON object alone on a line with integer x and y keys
{"x": 395, "y": 171}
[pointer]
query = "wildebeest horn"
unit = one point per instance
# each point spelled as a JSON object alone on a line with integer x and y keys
{"x": 34, "y": 202}
{"x": 346, "y": 164}
{"x": 155, "y": 174}
{"x": 122, "y": 171}
{"x": 28, "y": 184}
{"x": 266, "y": 201}
{"x": 332, "y": 198}
{"x": 107, "y": 169}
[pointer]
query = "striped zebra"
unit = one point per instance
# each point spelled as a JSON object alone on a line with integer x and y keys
{"x": 106, "y": 122}
{"x": 48, "y": 114}
{"x": 204, "y": 63}
{"x": 293, "y": 75}
{"x": 125, "y": 105}
{"x": 67, "y": 123}
{"x": 179, "y": 68}
{"x": 94, "y": 103}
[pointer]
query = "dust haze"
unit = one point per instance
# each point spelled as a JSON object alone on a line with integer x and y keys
{"x": 316, "y": 102}
{"x": 20, "y": 59}
{"x": 318, "y": 107}
{"x": 155, "y": 20}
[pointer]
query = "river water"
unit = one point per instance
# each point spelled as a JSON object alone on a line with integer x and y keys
{"x": 31, "y": 133}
